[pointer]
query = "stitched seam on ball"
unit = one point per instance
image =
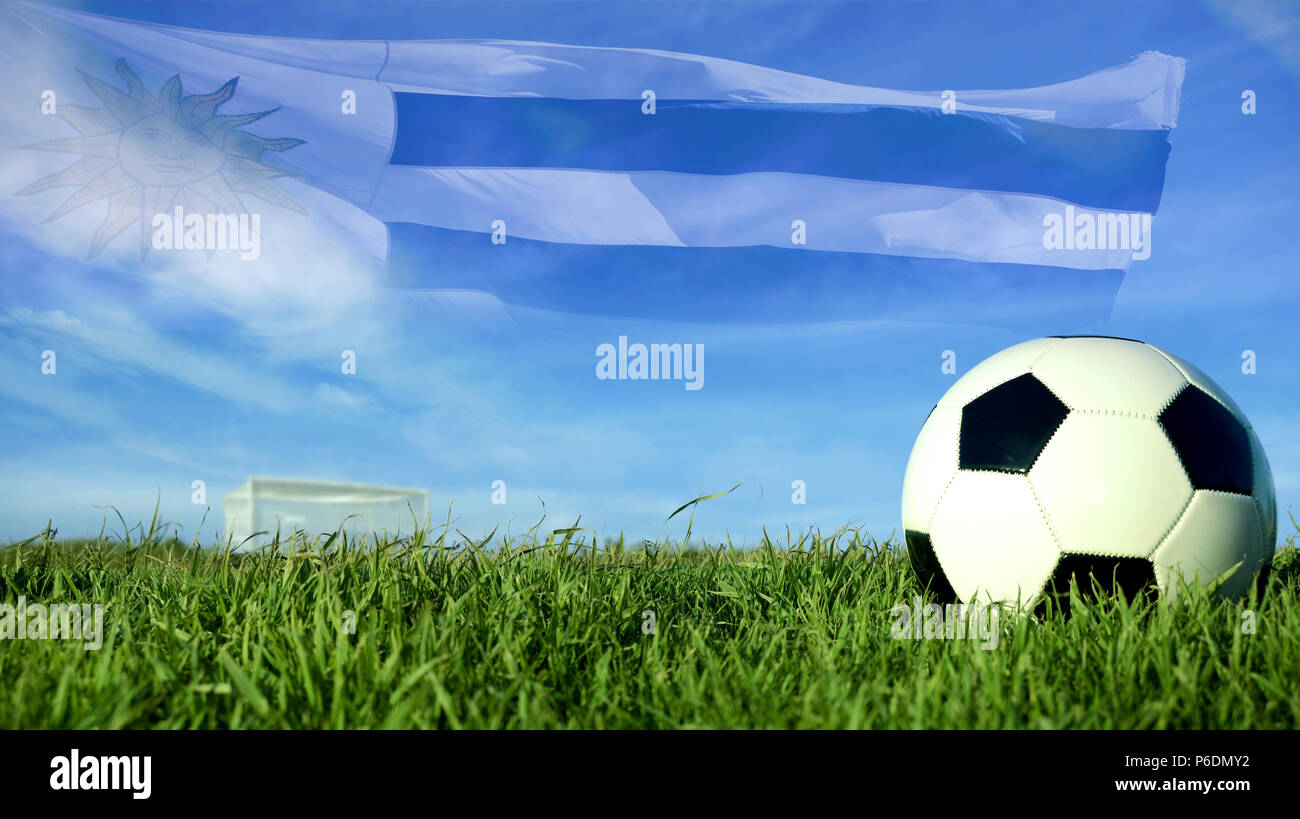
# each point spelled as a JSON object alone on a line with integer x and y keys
{"x": 1160, "y": 541}
{"x": 1169, "y": 442}
{"x": 1055, "y": 432}
{"x": 1174, "y": 397}
{"x": 1242, "y": 419}
{"x": 1086, "y": 553}
{"x": 1042, "y": 512}
{"x": 1255, "y": 494}
{"x": 1263, "y": 529}
{"x": 1141, "y": 415}
{"x": 1253, "y": 439}
{"x": 1068, "y": 406}
{"x": 1028, "y": 370}
{"x": 1039, "y": 357}
{"x": 929, "y": 524}
{"x": 1226, "y": 493}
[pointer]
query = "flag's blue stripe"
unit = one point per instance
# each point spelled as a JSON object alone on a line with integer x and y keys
{"x": 748, "y": 284}
{"x": 1113, "y": 169}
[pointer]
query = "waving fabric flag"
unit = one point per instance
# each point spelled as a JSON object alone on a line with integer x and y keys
{"x": 633, "y": 182}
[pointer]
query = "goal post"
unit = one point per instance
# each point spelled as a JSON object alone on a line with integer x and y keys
{"x": 255, "y": 510}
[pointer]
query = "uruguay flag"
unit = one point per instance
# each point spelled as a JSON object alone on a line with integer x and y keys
{"x": 632, "y": 182}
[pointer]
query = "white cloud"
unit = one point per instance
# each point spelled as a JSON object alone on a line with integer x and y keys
{"x": 118, "y": 338}
{"x": 333, "y": 396}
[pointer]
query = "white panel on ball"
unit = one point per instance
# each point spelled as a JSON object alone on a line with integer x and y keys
{"x": 932, "y": 464}
{"x": 992, "y": 540}
{"x": 1109, "y": 374}
{"x": 1110, "y": 484}
{"x": 1196, "y": 544}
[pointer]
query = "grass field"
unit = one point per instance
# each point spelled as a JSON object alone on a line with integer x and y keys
{"x": 547, "y": 632}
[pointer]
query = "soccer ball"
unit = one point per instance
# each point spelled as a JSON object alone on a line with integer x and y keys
{"x": 1073, "y": 456}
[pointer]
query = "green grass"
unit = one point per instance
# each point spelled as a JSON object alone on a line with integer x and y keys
{"x": 546, "y": 632}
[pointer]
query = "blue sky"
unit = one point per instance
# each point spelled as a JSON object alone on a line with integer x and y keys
{"x": 167, "y": 376}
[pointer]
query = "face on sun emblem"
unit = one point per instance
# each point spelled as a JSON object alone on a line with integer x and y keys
{"x": 159, "y": 151}
{"x": 148, "y": 153}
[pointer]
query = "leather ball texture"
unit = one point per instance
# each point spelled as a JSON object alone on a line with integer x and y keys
{"x": 1086, "y": 456}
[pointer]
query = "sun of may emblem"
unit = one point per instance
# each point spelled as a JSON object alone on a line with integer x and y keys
{"x": 148, "y": 154}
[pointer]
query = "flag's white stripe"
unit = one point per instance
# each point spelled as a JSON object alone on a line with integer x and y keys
{"x": 654, "y": 208}
{"x": 507, "y": 68}
{"x": 339, "y": 217}
{"x": 1141, "y": 94}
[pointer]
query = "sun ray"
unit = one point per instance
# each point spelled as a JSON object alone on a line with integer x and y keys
{"x": 101, "y": 145}
{"x": 201, "y": 107}
{"x": 106, "y": 184}
{"x": 152, "y": 200}
{"x": 87, "y": 120}
{"x": 123, "y": 209}
{"x": 218, "y": 126}
{"x": 266, "y": 192}
{"x": 216, "y": 188}
{"x": 81, "y": 172}
{"x": 252, "y": 146}
{"x": 194, "y": 202}
{"x": 239, "y": 166}
{"x": 170, "y": 96}
{"x": 124, "y": 109}
{"x": 134, "y": 85}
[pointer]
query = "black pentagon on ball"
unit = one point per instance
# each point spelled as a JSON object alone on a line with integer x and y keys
{"x": 1099, "y": 576}
{"x": 1212, "y": 444}
{"x": 1006, "y": 428}
{"x": 926, "y": 565}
